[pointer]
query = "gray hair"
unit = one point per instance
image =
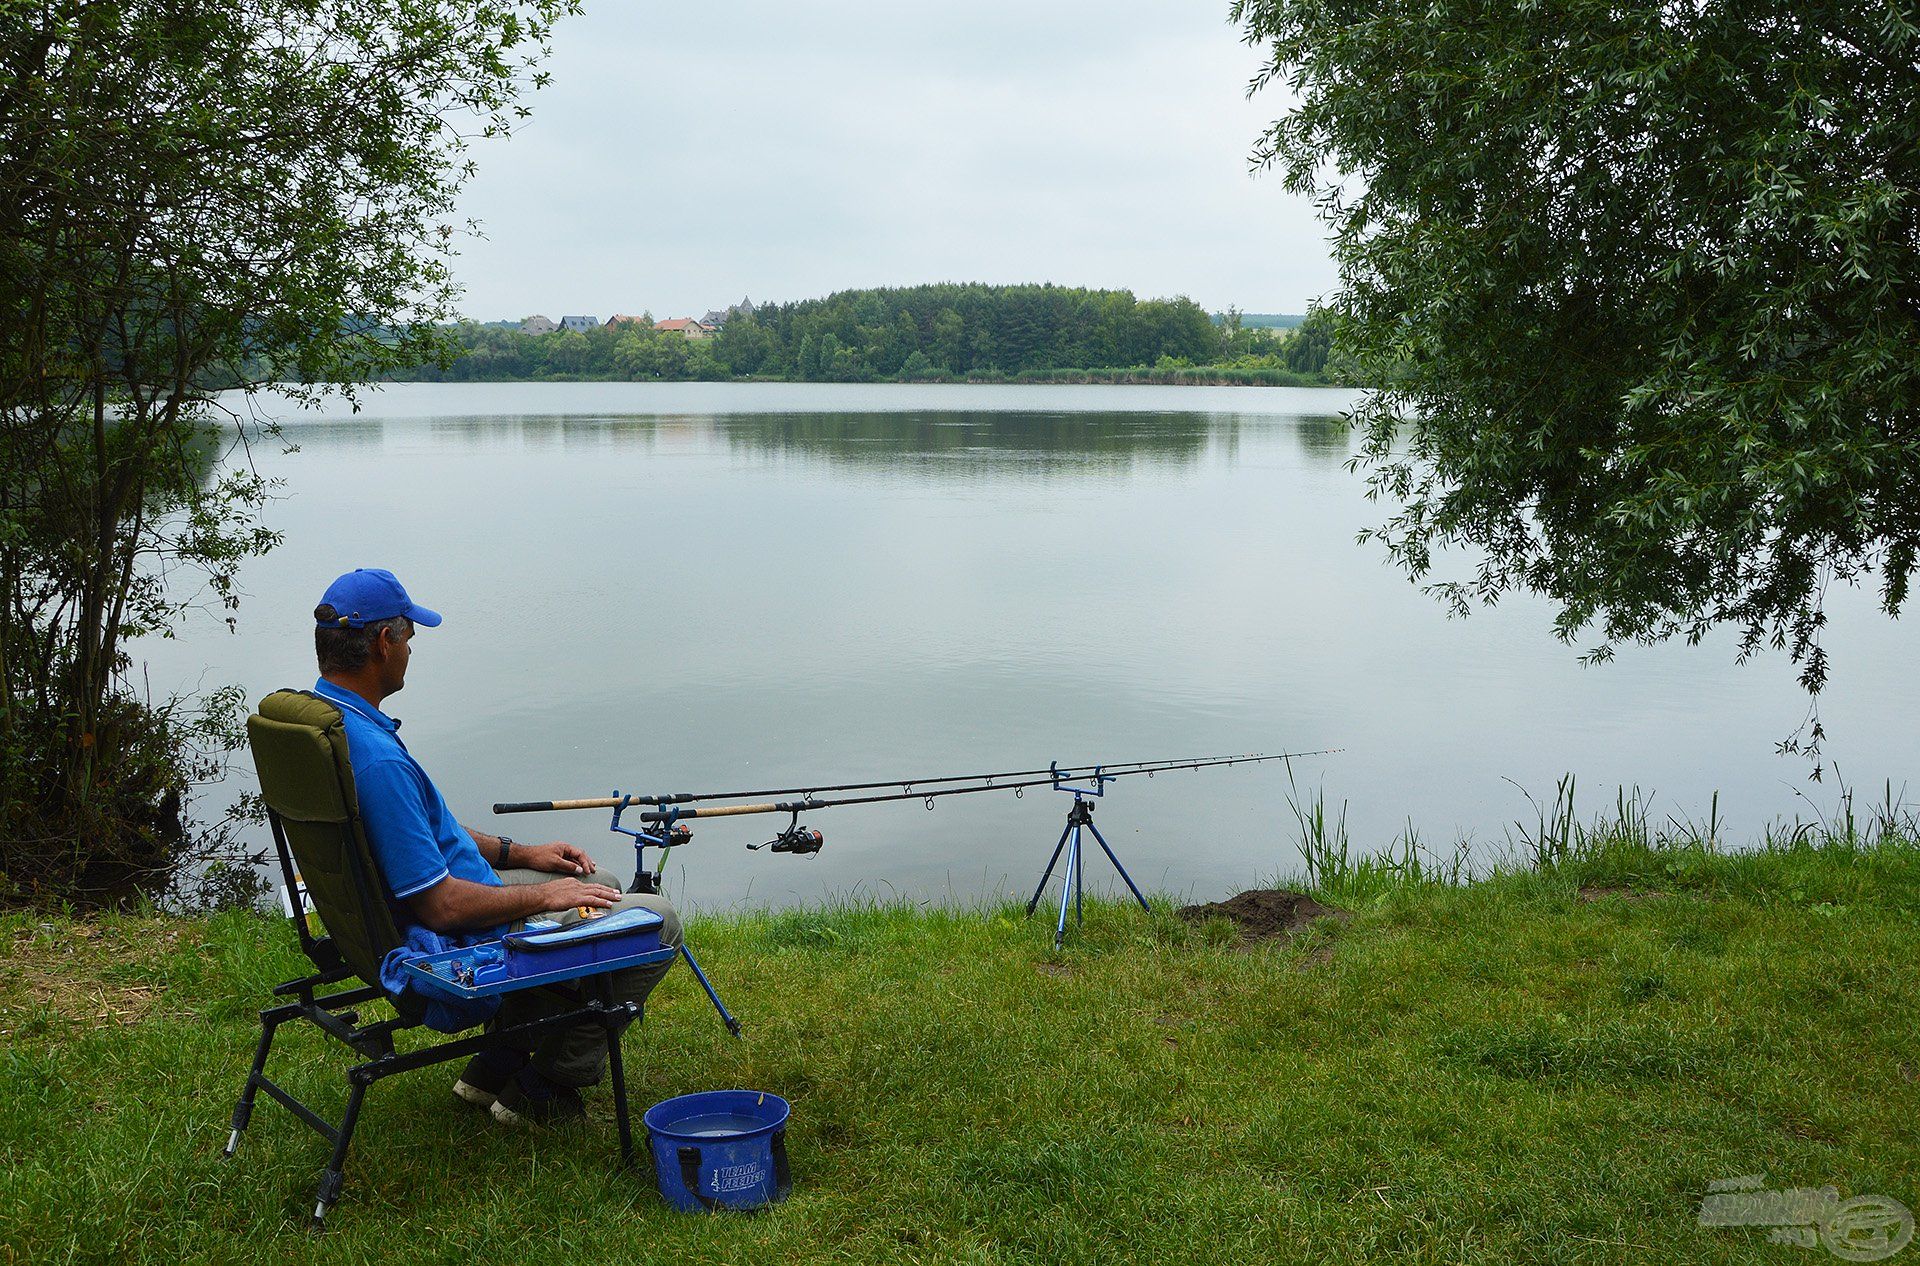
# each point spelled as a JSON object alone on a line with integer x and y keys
{"x": 341, "y": 648}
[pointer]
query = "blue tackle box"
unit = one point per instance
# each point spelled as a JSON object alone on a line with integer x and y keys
{"x": 545, "y": 954}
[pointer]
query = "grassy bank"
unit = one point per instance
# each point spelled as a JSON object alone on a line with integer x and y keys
{"x": 1545, "y": 1066}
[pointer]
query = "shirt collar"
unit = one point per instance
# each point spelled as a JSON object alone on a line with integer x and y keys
{"x": 347, "y": 698}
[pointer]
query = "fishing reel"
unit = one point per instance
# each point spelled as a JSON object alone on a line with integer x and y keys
{"x": 802, "y": 840}
{"x": 665, "y": 836}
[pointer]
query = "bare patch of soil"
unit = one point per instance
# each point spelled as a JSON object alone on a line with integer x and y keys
{"x": 83, "y": 973}
{"x": 1265, "y": 914}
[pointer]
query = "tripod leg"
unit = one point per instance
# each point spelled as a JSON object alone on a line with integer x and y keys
{"x": 1079, "y": 878}
{"x": 1051, "y": 861}
{"x": 1131, "y": 886}
{"x": 1066, "y": 887}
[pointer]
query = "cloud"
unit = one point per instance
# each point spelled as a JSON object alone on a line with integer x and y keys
{"x": 684, "y": 156}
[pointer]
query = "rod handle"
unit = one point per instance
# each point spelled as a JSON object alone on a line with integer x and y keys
{"x": 598, "y": 802}
{"x": 636, "y": 802}
{"x": 735, "y": 810}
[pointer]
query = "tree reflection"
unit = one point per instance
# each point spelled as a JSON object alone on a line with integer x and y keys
{"x": 958, "y": 443}
{"x": 970, "y": 441}
{"x": 1326, "y": 438}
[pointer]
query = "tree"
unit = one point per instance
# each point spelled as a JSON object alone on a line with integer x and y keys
{"x": 1640, "y": 285}
{"x": 949, "y": 341}
{"x": 644, "y": 352}
{"x": 742, "y": 345}
{"x": 192, "y": 196}
{"x": 826, "y": 358}
{"x": 701, "y": 362}
{"x": 1306, "y": 349}
{"x": 567, "y": 352}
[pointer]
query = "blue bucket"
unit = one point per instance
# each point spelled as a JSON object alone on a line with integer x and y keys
{"x": 720, "y": 1149}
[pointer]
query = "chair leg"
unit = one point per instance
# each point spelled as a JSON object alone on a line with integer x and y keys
{"x": 617, "y": 1066}
{"x": 334, "y": 1178}
{"x": 243, "y": 1111}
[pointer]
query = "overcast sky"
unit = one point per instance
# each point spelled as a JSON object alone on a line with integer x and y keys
{"x": 688, "y": 154}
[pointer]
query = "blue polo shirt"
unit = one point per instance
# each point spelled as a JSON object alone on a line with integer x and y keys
{"x": 416, "y": 841}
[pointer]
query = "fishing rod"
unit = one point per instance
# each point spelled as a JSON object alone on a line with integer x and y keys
{"x": 908, "y": 784}
{"x": 1021, "y": 779}
{"x": 663, "y": 825}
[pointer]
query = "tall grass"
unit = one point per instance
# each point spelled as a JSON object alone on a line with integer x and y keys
{"x": 1333, "y": 869}
{"x": 1628, "y": 845}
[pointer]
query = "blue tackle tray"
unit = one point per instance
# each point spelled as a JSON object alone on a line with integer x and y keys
{"x": 545, "y": 956}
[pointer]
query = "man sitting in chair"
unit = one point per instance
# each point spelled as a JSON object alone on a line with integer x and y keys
{"x": 456, "y": 880}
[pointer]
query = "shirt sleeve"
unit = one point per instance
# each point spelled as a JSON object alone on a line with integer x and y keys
{"x": 393, "y": 806}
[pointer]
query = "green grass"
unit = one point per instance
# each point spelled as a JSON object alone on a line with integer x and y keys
{"x": 1504, "y": 1070}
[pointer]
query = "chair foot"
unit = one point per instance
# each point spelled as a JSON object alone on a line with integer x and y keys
{"x": 233, "y": 1145}
{"x": 325, "y": 1198}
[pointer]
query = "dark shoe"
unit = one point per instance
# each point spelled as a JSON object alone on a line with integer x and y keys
{"x": 530, "y": 1099}
{"x": 486, "y": 1075}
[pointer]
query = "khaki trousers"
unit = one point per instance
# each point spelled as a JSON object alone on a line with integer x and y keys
{"x": 578, "y": 1056}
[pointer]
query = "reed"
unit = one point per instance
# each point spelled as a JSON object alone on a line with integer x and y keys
{"x": 1631, "y": 844}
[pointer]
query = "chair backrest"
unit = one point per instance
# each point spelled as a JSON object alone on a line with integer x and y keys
{"x": 299, "y": 745}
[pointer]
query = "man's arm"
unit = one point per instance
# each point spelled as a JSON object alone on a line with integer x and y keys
{"x": 454, "y": 905}
{"x": 558, "y": 857}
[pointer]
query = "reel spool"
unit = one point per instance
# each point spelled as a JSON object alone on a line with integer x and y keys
{"x": 796, "y": 839}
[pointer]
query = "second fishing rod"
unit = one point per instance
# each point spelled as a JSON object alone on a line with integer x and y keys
{"x": 1010, "y": 780}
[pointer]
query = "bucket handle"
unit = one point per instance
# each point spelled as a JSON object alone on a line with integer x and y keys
{"x": 690, "y": 1178}
{"x": 782, "y": 1174}
{"x": 689, "y": 1158}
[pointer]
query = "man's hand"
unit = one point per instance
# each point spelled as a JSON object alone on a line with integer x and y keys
{"x": 460, "y": 904}
{"x": 565, "y": 894}
{"x": 557, "y": 858}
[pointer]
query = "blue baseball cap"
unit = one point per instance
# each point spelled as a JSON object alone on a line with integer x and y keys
{"x": 367, "y": 594}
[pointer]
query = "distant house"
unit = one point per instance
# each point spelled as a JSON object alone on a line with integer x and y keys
{"x": 537, "y": 325}
{"x": 684, "y": 325}
{"x": 579, "y": 324}
{"x": 720, "y": 316}
{"x": 621, "y": 318}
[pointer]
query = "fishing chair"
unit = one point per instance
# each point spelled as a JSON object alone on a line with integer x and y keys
{"x": 300, "y": 754}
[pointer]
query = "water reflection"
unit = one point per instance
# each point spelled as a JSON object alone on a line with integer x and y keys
{"x": 341, "y": 432}
{"x": 1015, "y": 442}
{"x": 1325, "y": 437}
{"x": 966, "y": 443}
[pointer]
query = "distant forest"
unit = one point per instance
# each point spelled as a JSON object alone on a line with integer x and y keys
{"x": 938, "y": 333}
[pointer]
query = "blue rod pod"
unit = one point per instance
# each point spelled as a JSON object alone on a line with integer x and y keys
{"x": 720, "y": 1149}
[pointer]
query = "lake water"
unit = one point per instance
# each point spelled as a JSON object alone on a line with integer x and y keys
{"x": 706, "y": 586}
